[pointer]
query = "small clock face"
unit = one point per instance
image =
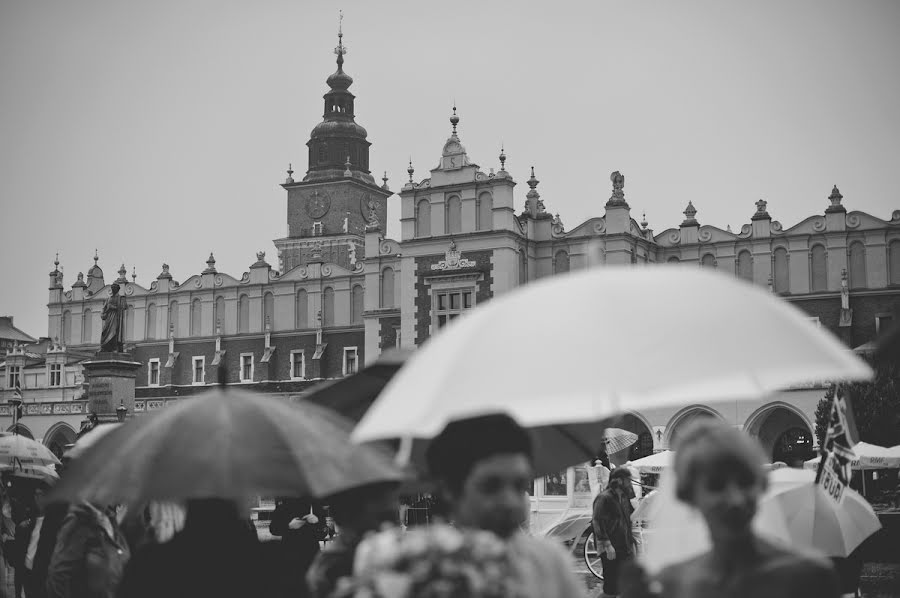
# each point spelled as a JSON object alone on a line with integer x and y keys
{"x": 367, "y": 205}
{"x": 318, "y": 203}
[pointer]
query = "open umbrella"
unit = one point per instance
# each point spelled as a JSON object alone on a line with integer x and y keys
{"x": 89, "y": 439}
{"x": 42, "y": 473}
{"x": 655, "y": 463}
{"x": 606, "y": 352}
{"x": 18, "y": 451}
{"x": 617, "y": 439}
{"x": 868, "y": 456}
{"x": 227, "y": 444}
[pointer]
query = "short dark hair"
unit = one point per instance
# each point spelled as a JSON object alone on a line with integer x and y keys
{"x": 710, "y": 444}
{"x": 462, "y": 443}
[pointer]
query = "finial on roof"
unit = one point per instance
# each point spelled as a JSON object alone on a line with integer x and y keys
{"x": 210, "y": 264}
{"x": 410, "y": 170}
{"x": 835, "y": 199}
{"x": 341, "y": 49}
{"x": 618, "y": 195}
{"x": 454, "y": 120}
{"x": 122, "y": 272}
{"x": 502, "y": 159}
{"x": 385, "y": 180}
{"x": 95, "y": 257}
{"x": 644, "y": 222}
{"x": 290, "y": 174}
{"x": 347, "y": 171}
{"x": 533, "y": 182}
{"x": 689, "y": 212}
{"x": 761, "y": 213}
{"x": 133, "y": 274}
{"x": 56, "y": 261}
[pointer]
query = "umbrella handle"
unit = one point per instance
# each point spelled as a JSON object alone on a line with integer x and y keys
{"x": 404, "y": 453}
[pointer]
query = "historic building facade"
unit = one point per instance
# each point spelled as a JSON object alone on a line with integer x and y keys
{"x": 342, "y": 293}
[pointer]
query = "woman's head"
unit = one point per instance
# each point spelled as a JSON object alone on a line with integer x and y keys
{"x": 719, "y": 471}
{"x": 620, "y": 479}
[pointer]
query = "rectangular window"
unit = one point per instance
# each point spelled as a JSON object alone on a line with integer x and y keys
{"x": 246, "y": 367}
{"x": 397, "y": 336}
{"x": 556, "y": 484}
{"x": 450, "y": 304}
{"x": 882, "y": 323}
{"x": 351, "y": 360}
{"x": 14, "y": 376}
{"x": 199, "y": 370}
{"x": 317, "y": 229}
{"x": 153, "y": 372}
{"x": 298, "y": 365}
{"x": 55, "y": 374}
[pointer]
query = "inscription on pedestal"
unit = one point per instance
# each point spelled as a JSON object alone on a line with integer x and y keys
{"x": 110, "y": 378}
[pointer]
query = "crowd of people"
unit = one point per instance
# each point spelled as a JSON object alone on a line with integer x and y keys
{"x": 483, "y": 469}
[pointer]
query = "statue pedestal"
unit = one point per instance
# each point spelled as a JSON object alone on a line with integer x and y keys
{"x": 110, "y": 378}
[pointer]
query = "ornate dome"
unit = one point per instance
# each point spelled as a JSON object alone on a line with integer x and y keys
{"x": 338, "y": 128}
{"x": 339, "y": 80}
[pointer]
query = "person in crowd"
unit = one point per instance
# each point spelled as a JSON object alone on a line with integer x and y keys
{"x": 611, "y": 521}
{"x": 211, "y": 553}
{"x": 90, "y": 554}
{"x": 7, "y": 543}
{"x": 301, "y": 525}
{"x": 356, "y": 512}
{"x": 598, "y": 473}
{"x": 719, "y": 471}
{"x": 28, "y": 534}
{"x": 484, "y": 467}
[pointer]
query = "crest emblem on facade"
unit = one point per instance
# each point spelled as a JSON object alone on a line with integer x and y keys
{"x": 453, "y": 260}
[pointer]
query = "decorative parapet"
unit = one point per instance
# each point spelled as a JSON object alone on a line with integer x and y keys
{"x": 49, "y": 408}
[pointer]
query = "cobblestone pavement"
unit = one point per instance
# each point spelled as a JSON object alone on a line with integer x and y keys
{"x": 880, "y": 580}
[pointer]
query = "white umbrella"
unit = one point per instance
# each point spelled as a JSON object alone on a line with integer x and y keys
{"x": 19, "y": 452}
{"x": 655, "y": 463}
{"x": 617, "y": 439}
{"x": 868, "y": 456}
{"x": 89, "y": 439}
{"x": 614, "y": 345}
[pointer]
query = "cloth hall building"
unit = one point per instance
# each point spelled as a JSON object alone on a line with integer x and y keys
{"x": 342, "y": 293}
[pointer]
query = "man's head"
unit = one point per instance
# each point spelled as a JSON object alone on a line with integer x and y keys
{"x": 115, "y": 288}
{"x": 719, "y": 471}
{"x": 620, "y": 481}
{"x": 485, "y": 467}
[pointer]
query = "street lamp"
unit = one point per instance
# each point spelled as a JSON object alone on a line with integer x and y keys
{"x": 121, "y": 411}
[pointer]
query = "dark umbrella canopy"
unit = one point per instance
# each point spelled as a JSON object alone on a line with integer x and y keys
{"x": 225, "y": 444}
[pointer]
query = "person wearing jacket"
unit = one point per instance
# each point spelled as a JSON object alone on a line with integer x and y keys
{"x": 90, "y": 555}
{"x": 301, "y": 525}
{"x": 611, "y": 522}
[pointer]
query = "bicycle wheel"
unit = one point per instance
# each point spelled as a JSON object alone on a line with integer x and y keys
{"x": 592, "y": 556}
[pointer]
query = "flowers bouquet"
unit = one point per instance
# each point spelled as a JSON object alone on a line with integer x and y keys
{"x": 434, "y": 562}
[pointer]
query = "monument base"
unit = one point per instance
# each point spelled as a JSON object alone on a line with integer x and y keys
{"x": 110, "y": 378}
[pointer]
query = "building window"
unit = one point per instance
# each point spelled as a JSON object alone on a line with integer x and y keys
{"x": 328, "y": 307}
{"x": 356, "y": 304}
{"x": 453, "y": 216}
{"x": 894, "y": 259}
{"x": 302, "y": 315}
{"x": 66, "y": 327}
{"x": 317, "y": 229}
{"x": 673, "y": 260}
{"x": 556, "y": 484}
{"x": 14, "y": 376}
{"x": 351, "y": 360}
{"x": 87, "y": 330}
{"x": 561, "y": 261}
{"x": 55, "y": 374}
{"x": 397, "y": 337}
{"x": 151, "y": 321}
{"x": 387, "y": 287}
{"x": 196, "y": 315}
{"x": 450, "y": 304}
{"x": 269, "y": 311}
{"x": 423, "y": 218}
{"x": 129, "y": 323}
{"x": 219, "y": 316}
{"x": 298, "y": 365}
{"x": 883, "y": 322}
{"x": 745, "y": 266}
{"x": 173, "y": 319}
{"x": 153, "y": 372}
{"x": 199, "y": 370}
{"x": 244, "y": 314}
{"x": 246, "y": 367}
{"x": 857, "y": 265}
{"x": 781, "y": 280}
{"x": 818, "y": 273}
{"x": 708, "y": 261}
{"x": 523, "y": 267}
{"x": 484, "y": 212}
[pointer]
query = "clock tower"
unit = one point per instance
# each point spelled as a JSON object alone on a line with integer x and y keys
{"x": 329, "y": 210}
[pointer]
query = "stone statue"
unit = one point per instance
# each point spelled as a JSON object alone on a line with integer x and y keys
{"x": 113, "y": 336}
{"x": 618, "y": 194}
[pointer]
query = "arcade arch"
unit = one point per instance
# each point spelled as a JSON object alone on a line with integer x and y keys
{"x": 784, "y": 432}
{"x": 643, "y": 446}
{"x": 21, "y": 431}
{"x": 683, "y": 418}
{"x": 58, "y": 436}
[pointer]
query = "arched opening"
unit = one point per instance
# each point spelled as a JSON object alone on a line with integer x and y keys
{"x": 196, "y": 315}
{"x": 87, "y": 329}
{"x": 708, "y": 261}
{"x": 21, "y": 431}
{"x": 817, "y": 271}
{"x": 268, "y": 312}
{"x": 453, "y": 216}
{"x": 219, "y": 315}
{"x": 244, "y": 314}
{"x": 173, "y": 318}
{"x": 485, "y": 212}
{"x": 683, "y": 418}
{"x": 66, "y": 327}
{"x": 58, "y": 437}
{"x": 642, "y": 447}
{"x": 423, "y": 218}
{"x": 894, "y": 258}
{"x": 523, "y": 267}
{"x": 129, "y": 322}
{"x": 302, "y": 316}
{"x": 673, "y": 260}
{"x": 561, "y": 261}
{"x": 328, "y": 306}
{"x": 151, "y": 321}
{"x": 781, "y": 280}
{"x": 356, "y": 304}
{"x": 387, "y": 287}
{"x": 857, "y": 265}
{"x": 745, "y": 266}
{"x": 783, "y": 432}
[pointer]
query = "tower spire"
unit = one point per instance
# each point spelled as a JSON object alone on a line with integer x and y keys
{"x": 341, "y": 49}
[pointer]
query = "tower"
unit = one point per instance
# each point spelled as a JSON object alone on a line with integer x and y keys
{"x": 338, "y": 198}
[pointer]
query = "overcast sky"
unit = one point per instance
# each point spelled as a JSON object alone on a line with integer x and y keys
{"x": 160, "y": 131}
